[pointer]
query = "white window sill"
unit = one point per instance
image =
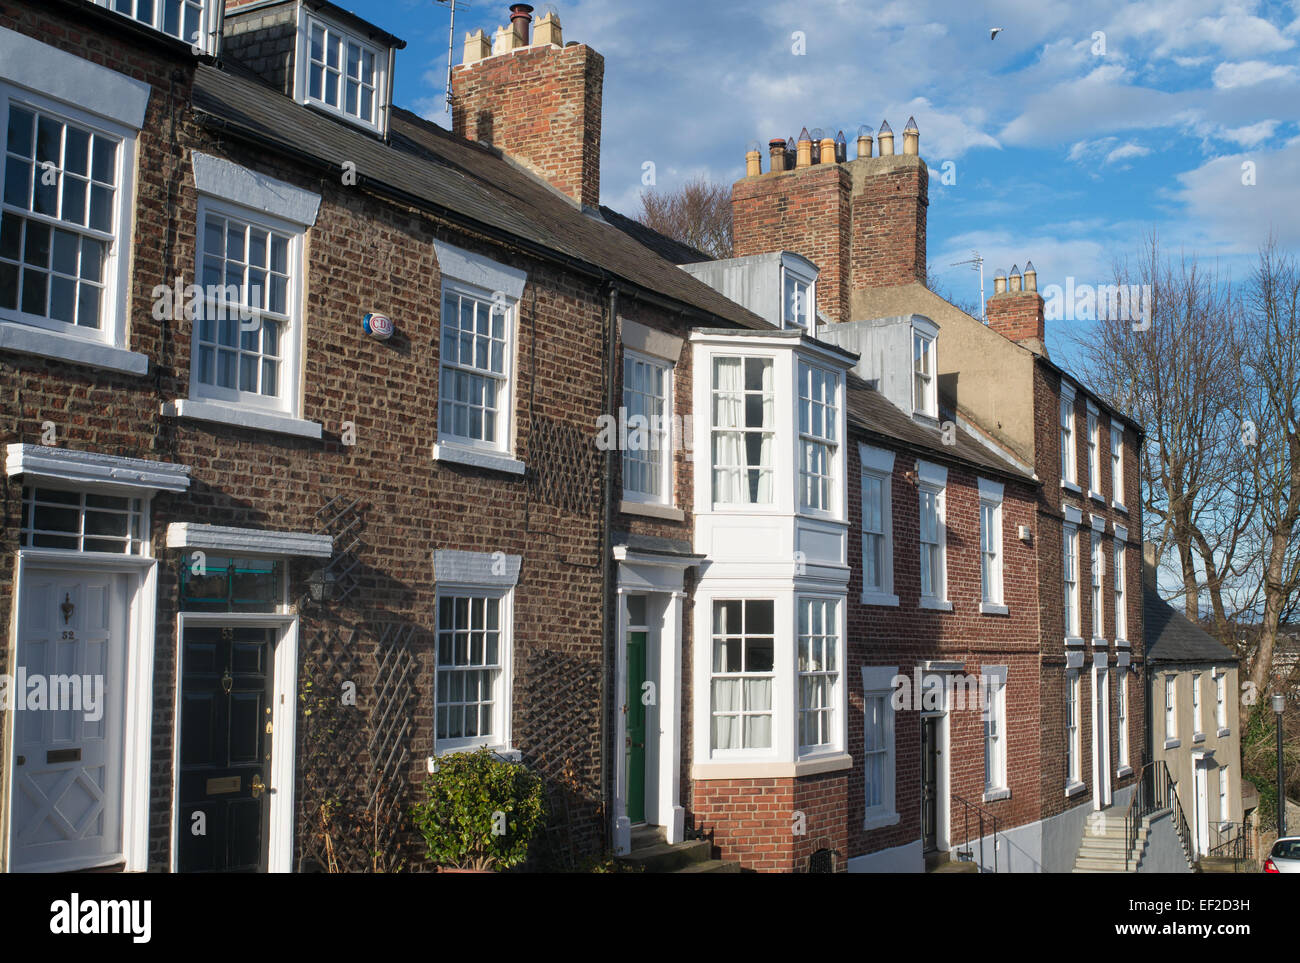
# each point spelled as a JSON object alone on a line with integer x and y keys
{"x": 1123, "y": 771}
{"x": 1121, "y": 643}
{"x": 1073, "y": 641}
{"x": 28, "y": 339}
{"x": 1224, "y": 732}
{"x": 513, "y": 755}
{"x": 651, "y": 510}
{"x": 879, "y": 598}
{"x": 1198, "y": 737}
{"x": 242, "y": 417}
{"x": 879, "y": 820}
{"x": 1073, "y": 789}
{"x": 995, "y": 795}
{"x": 479, "y": 459}
{"x": 936, "y": 605}
{"x": 1119, "y": 506}
{"x": 993, "y": 608}
{"x": 1097, "y": 496}
{"x": 1098, "y": 642}
{"x": 1173, "y": 743}
{"x": 1071, "y": 487}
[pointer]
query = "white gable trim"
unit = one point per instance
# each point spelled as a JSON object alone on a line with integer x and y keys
{"x": 466, "y": 266}
{"x": 38, "y": 463}
{"x": 248, "y": 541}
{"x": 56, "y": 73}
{"x": 221, "y": 178}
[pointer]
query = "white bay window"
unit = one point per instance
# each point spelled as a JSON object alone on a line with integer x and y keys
{"x": 744, "y": 431}
{"x": 818, "y": 437}
{"x": 819, "y": 661}
{"x": 743, "y": 648}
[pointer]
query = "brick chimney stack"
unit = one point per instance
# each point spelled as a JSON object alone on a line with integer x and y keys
{"x": 535, "y": 100}
{"x": 862, "y": 222}
{"x": 1016, "y": 309}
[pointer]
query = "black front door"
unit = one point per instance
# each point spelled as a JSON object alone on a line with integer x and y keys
{"x": 929, "y": 783}
{"x": 225, "y": 749}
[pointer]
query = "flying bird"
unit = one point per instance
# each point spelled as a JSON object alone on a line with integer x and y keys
{"x": 994, "y": 32}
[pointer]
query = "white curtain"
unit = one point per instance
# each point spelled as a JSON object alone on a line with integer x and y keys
{"x": 726, "y": 698}
{"x": 758, "y": 729}
{"x": 765, "y": 476}
{"x": 728, "y": 445}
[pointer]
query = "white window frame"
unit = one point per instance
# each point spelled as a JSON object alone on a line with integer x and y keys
{"x": 877, "y": 683}
{"x": 835, "y": 638}
{"x": 1094, "y": 453}
{"x": 662, "y": 433}
{"x": 1225, "y": 797}
{"x": 808, "y": 285}
{"x": 504, "y": 436}
{"x": 1117, "y": 467}
{"x": 993, "y": 684}
{"x": 1073, "y": 738}
{"x": 773, "y": 430}
{"x": 927, "y": 406}
{"x": 878, "y": 465}
{"x": 1121, "y": 587}
{"x": 1198, "y": 727}
{"x": 830, "y": 440}
{"x": 114, "y": 303}
{"x": 991, "y": 569}
{"x": 289, "y": 399}
{"x": 502, "y": 685}
{"x": 302, "y": 66}
{"x": 932, "y": 480}
{"x": 1097, "y": 562}
{"x": 1121, "y": 691}
{"x": 200, "y": 42}
{"x": 774, "y": 711}
{"x": 1221, "y": 702}
{"x": 1068, "y": 437}
{"x": 1171, "y": 711}
{"x": 1070, "y": 590}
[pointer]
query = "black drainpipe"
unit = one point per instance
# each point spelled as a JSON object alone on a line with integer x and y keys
{"x": 608, "y": 627}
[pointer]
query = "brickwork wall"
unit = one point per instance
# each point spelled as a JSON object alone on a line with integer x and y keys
{"x": 889, "y": 225}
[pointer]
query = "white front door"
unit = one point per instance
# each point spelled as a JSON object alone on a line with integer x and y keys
{"x": 67, "y": 693}
{"x": 1202, "y": 813}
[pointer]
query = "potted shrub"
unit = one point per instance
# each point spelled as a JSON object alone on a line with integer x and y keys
{"x": 480, "y": 812}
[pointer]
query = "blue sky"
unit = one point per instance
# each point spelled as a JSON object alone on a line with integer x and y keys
{"x": 1071, "y": 134}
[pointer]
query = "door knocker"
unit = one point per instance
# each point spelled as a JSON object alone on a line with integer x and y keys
{"x": 67, "y": 607}
{"x": 227, "y": 683}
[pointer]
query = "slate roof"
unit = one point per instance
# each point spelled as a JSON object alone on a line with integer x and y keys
{"x": 873, "y": 414}
{"x": 430, "y": 168}
{"x": 1173, "y": 637}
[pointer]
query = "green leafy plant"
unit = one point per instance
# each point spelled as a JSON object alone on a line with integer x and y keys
{"x": 480, "y": 811}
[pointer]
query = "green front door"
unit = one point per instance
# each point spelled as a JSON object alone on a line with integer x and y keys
{"x": 636, "y": 651}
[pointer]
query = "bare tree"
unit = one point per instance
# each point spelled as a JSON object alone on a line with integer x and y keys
{"x": 1272, "y": 459}
{"x": 1179, "y": 375}
{"x": 698, "y": 213}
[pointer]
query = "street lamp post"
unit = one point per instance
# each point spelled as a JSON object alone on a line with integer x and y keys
{"x": 1279, "y": 703}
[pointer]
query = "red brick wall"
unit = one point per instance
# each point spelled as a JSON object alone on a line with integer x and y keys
{"x": 757, "y": 822}
{"x": 1017, "y": 315}
{"x": 542, "y": 106}
{"x": 889, "y": 224}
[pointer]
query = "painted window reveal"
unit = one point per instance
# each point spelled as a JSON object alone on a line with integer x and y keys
{"x": 342, "y": 73}
{"x": 1225, "y": 811}
{"x": 1171, "y": 707}
{"x": 924, "y": 394}
{"x": 1072, "y": 726}
{"x": 1121, "y": 610}
{"x": 1220, "y": 700}
{"x": 876, "y": 522}
{"x": 219, "y": 583}
{"x": 1197, "y": 725}
{"x": 877, "y": 750}
{"x": 819, "y": 661}
{"x": 82, "y": 521}
{"x": 1070, "y": 559}
{"x": 744, "y": 431}
{"x": 471, "y": 638}
{"x": 1068, "y": 461}
{"x": 182, "y": 19}
{"x": 818, "y": 437}
{"x": 57, "y": 230}
{"x": 647, "y": 457}
{"x": 1122, "y": 695}
{"x": 474, "y": 372}
{"x": 991, "y": 551}
{"x": 243, "y": 335}
{"x": 933, "y": 579}
{"x": 1098, "y": 562}
{"x": 995, "y": 724}
{"x": 742, "y": 677}
{"x": 797, "y": 298}
{"x": 1094, "y": 452}
{"x": 1116, "y": 465}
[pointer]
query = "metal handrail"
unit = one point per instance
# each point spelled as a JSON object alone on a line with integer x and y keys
{"x": 1138, "y": 807}
{"x": 981, "y": 814}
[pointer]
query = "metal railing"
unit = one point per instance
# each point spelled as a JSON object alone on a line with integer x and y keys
{"x": 1234, "y": 844}
{"x": 1153, "y": 792}
{"x": 983, "y": 817}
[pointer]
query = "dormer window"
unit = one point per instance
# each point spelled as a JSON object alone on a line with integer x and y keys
{"x": 186, "y": 20}
{"x": 797, "y": 299}
{"x": 925, "y": 388}
{"x": 344, "y": 74}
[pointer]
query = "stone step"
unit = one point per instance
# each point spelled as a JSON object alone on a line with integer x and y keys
{"x": 956, "y": 866}
{"x": 710, "y": 866}
{"x": 650, "y": 854}
{"x": 1091, "y": 864}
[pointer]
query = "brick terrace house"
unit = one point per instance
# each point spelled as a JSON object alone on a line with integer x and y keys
{"x": 242, "y": 505}
{"x": 863, "y": 223}
{"x": 238, "y": 505}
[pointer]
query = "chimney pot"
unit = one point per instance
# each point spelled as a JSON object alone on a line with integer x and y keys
{"x": 776, "y": 153}
{"x": 1031, "y": 277}
{"x": 911, "y": 137}
{"x": 521, "y": 15}
{"x": 804, "y": 158}
{"x": 864, "y": 141}
{"x": 477, "y": 47}
{"x": 753, "y": 161}
{"x": 886, "y": 139}
{"x": 548, "y": 31}
{"x": 828, "y": 151}
{"x": 999, "y": 282}
{"x": 841, "y": 148}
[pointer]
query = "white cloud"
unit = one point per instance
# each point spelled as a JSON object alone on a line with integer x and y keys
{"x": 1250, "y": 73}
{"x": 1125, "y": 151}
{"x": 1251, "y": 135}
{"x": 1234, "y": 218}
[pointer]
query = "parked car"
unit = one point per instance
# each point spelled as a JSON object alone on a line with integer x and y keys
{"x": 1284, "y": 857}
